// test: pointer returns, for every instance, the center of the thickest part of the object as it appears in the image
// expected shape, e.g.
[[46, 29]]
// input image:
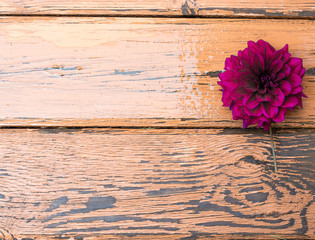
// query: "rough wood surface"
[[132, 68], [158, 237], [151, 182], [160, 123], [266, 8]]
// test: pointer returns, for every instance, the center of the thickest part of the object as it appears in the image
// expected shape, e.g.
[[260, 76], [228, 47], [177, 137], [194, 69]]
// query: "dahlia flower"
[[260, 84]]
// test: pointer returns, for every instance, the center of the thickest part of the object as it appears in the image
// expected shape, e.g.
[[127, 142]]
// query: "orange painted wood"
[[265, 8], [134, 71], [178, 183], [159, 237], [160, 123]]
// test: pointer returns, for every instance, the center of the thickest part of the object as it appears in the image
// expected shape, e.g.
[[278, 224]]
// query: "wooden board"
[[230, 8], [132, 71], [156, 237], [165, 183]]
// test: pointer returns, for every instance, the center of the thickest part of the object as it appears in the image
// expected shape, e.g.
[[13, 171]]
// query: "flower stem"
[[273, 150]]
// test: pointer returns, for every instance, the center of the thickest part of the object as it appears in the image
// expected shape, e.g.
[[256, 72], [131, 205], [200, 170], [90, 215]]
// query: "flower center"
[[266, 81]]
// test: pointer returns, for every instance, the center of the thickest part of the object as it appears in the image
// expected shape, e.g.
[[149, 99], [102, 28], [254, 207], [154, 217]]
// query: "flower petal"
[[267, 97], [296, 65], [299, 96], [295, 80], [286, 57], [266, 126], [286, 70], [226, 99], [259, 63], [268, 110], [228, 79], [246, 75], [246, 97], [252, 103], [303, 95], [290, 101], [297, 90], [226, 75], [255, 112], [249, 121], [276, 56], [280, 116], [245, 123], [280, 76], [278, 98], [266, 50], [252, 121], [285, 87], [245, 58], [301, 74], [263, 44], [294, 62], [252, 46], [299, 100], [276, 66], [239, 91], [262, 90], [232, 62], [250, 86], [238, 112], [263, 120], [285, 49]]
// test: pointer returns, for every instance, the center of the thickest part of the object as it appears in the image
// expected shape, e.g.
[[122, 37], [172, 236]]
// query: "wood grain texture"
[[131, 68], [136, 123], [266, 8], [159, 237], [137, 183]]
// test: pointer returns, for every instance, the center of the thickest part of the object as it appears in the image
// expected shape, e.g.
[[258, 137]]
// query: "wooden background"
[[111, 124]]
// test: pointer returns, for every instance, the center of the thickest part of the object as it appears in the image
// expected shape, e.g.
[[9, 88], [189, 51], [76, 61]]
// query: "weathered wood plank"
[[131, 68], [160, 237], [156, 182], [278, 8], [160, 123]]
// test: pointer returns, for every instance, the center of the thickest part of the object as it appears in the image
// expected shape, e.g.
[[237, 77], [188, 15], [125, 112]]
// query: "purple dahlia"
[[260, 84]]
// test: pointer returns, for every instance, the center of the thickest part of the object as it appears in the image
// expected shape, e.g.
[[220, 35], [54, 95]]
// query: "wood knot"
[[251, 160]]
